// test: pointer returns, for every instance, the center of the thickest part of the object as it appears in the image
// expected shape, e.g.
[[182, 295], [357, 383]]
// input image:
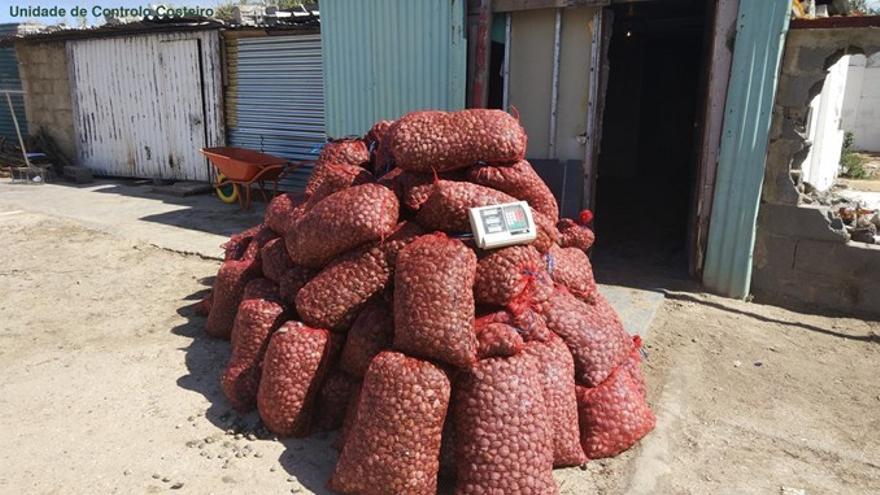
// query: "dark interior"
[[647, 159]]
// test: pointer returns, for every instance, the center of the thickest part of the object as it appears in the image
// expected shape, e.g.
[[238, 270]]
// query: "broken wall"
[[45, 80], [801, 252]]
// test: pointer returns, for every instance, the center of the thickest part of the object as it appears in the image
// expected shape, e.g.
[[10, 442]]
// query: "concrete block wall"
[[44, 77], [801, 253]]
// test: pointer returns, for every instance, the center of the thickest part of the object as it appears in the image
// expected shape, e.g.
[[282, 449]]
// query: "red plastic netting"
[[557, 377], [254, 324], [229, 286], [438, 141], [520, 181], [334, 296], [593, 333], [504, 441], [293, 370], [342, 221], [393, 445], [434, 302], [371, 333], [613, 416], [571, 268]]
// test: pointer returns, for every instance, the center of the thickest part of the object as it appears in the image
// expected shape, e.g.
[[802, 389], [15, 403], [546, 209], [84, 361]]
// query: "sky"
[[7, 9]]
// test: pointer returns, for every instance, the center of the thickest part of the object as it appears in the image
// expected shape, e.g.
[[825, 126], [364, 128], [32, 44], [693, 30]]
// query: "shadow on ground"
[[203, 212], [311, 460]]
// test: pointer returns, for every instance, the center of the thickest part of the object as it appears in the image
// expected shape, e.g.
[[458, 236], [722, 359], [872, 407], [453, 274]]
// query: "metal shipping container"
[[144, 104], [275, 98]]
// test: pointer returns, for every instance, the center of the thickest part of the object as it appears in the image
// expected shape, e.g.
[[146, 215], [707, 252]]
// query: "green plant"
[[852, 165]]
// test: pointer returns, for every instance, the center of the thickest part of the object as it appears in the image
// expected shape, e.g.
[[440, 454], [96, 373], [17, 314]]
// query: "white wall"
[[861, 114], [825, 128]]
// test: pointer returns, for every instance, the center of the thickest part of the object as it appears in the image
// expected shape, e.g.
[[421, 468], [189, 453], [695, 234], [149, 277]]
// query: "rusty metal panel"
[[145, 104]]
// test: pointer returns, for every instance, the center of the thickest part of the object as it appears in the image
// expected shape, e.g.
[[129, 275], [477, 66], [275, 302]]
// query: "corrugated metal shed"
[[275, 97], [145, 103], [760, 34], [387, 57], [9, 79]]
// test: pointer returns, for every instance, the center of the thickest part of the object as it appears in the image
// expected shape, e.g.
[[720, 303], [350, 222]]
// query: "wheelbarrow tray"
[[241, 164]]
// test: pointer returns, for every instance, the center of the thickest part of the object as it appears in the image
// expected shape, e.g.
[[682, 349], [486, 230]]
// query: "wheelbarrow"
[[239, 168]]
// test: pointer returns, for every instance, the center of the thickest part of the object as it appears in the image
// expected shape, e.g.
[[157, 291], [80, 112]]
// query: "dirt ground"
[[109, 386]]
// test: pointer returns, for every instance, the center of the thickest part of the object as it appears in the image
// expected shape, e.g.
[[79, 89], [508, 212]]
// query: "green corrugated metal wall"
[[760, 35], [9, 79], [384, 58]]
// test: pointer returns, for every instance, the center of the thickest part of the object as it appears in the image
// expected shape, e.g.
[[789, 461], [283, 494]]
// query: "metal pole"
[[17, 130], [554, 94], [505, 104]]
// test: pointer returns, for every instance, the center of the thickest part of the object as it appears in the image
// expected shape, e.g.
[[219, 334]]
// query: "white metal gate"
[[145, 104]]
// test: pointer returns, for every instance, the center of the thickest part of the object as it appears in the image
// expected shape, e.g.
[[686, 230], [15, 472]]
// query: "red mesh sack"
[[498, 340], [557, 376], [634, 368], [350, 416], [229, 286], [261, 288], [254, 324], [336, 177], [520, 181], [293, 370], [340, 152], [503, 273], [528, 323], [438, 141], [547, 234], [447, 207], [335, 394], [613, 416], [593, 333], [394, 444], [503, 439], [281, 213], [575, 235], [274, 259], [261, 238], [371, 333], [447, 447], [571, 268], [377, 142], [234, 248], [292, 281], [203, 307], [434, 300], [348, 151], [342, 221], [333, 298]]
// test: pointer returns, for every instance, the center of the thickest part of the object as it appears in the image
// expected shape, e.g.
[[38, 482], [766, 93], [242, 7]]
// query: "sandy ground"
[[110, 387]]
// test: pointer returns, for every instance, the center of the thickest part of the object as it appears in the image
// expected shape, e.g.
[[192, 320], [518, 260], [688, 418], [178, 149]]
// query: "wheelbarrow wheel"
[[228, 193]]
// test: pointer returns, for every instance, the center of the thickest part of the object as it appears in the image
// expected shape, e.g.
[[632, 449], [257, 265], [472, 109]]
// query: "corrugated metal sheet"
[[9, 79], [387, 57], [145, 104], [760, 34], [275, 98]]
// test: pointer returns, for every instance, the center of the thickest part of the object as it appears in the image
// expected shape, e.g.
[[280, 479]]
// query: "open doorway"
[[648, 157]]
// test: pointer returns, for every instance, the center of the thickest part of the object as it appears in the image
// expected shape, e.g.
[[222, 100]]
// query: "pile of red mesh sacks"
[[366, 307]]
